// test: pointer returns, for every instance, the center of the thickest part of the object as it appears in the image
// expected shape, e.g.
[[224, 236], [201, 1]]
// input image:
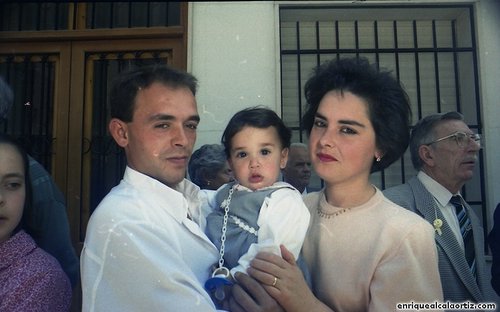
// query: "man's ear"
[[118, 130], [426, 153]]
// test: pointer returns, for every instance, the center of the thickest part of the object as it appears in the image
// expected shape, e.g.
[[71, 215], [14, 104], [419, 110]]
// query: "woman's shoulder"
[[401, 219], [313, 198]]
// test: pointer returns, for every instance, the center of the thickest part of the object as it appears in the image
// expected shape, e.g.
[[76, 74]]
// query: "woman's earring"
[[379, 158], [208, 182]]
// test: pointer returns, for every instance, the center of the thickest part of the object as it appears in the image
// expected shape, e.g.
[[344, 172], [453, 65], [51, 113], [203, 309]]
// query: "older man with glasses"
[[444, 152]]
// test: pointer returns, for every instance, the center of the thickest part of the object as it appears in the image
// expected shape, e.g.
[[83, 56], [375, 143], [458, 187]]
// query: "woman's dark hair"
[[27, 219], [387, 102], [257, 117], [126, 85], [205, 163]]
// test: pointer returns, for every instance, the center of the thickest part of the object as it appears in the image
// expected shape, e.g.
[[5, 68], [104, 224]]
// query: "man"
[[444, 152], [298, 168], [145, 249], [49, 206]]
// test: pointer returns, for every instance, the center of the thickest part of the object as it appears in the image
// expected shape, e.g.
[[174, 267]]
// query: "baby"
[[256, 212]]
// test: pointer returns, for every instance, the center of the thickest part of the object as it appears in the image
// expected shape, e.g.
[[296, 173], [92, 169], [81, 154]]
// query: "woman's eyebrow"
[[343, 121], [351, 122]]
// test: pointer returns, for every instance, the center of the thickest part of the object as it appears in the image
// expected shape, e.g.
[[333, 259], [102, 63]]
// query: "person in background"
[[364, 252], [494, 243], [49, 206], [145, 248], [30, 278], [444, 152], [208, 167], [297, 171]]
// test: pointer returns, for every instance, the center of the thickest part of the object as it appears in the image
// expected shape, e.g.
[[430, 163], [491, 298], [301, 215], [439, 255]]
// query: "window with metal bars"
[[430, 48], [132, 14], [26, 16], [58, 15], [30, 120]]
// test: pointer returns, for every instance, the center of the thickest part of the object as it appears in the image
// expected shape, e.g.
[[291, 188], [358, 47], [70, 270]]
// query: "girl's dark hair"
[[257, 117], [27, 220], [387, 102]]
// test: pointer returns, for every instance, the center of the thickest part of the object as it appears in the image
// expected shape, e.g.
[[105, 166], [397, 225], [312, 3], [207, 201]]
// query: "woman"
[[208, 167], [364, 252]]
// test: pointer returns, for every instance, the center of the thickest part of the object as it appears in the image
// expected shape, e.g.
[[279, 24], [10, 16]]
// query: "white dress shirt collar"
[[184, 197], [440, 193]]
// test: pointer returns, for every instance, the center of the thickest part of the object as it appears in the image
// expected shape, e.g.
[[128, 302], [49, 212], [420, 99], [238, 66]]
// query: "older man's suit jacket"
[[456, 278]]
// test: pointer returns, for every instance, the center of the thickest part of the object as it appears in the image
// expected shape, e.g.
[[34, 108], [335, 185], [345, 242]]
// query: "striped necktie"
[[466, 231]]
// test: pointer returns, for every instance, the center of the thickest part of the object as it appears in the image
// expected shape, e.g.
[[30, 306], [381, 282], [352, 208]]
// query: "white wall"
[[233, 51]]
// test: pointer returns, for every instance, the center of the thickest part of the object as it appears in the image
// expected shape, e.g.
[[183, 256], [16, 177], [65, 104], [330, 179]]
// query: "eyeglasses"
[[462, 139]]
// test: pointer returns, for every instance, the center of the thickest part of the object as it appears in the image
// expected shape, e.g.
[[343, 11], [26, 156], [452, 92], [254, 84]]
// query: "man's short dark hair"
[[127, 84]]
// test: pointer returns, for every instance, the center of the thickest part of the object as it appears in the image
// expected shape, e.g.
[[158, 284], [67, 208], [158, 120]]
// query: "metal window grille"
[[30, 120], [59, 15], [25, 16], [132, 14]]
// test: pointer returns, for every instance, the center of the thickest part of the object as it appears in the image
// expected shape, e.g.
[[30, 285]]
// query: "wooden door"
[[61, 78]]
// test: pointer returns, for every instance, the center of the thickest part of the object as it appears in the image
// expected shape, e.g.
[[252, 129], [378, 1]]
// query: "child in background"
[[30, 279], [256, 212]]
